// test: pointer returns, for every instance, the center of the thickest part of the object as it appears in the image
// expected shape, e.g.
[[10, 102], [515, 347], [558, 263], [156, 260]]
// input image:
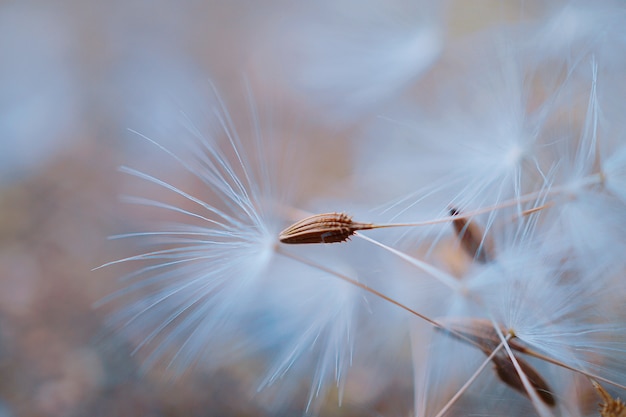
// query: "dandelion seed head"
[[214, 250]]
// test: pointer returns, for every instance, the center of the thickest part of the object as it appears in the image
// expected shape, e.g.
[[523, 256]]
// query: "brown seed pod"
[[323, 228], [508, 374], [481, 334], [473, 239], [610, 407]]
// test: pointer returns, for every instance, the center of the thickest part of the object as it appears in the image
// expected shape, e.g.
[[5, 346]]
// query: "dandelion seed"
[[481, 334], [323, 228], [553, 311], [508, 374], [217, 288]]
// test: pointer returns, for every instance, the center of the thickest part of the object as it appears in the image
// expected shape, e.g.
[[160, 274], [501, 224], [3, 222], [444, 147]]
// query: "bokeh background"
[[75, 76]]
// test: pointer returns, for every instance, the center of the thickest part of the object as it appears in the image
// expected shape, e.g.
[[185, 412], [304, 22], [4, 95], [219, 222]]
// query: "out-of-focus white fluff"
[[346, 59]]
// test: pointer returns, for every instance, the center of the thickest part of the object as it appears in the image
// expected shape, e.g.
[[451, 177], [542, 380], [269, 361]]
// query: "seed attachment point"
[[481, 334], [323, 228]]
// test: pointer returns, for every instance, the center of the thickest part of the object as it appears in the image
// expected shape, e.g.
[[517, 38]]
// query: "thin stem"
[[371, 290], [465, 386], [592, 179], [536, 209], [357, 284], [597, 178], [548, 359], [444, 278]]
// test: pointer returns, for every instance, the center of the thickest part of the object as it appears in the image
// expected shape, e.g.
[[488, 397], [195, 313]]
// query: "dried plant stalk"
[[610, 407], [323, 228], [537, 209], [473, 239], [481, 334]]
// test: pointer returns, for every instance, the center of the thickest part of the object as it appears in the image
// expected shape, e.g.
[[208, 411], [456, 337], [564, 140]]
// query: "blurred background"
[[75, 76]]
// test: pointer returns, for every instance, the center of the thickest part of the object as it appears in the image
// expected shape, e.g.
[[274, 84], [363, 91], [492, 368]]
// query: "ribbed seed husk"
[[322, 228]]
